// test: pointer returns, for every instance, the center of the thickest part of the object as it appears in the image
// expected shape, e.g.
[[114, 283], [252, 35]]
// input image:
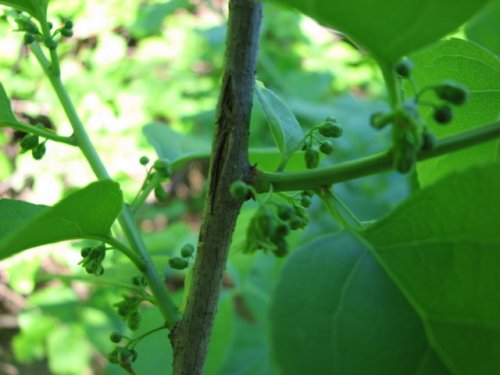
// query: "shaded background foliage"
[[132, 64]]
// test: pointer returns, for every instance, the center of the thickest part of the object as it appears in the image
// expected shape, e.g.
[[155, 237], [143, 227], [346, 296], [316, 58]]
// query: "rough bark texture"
[[229, 162]]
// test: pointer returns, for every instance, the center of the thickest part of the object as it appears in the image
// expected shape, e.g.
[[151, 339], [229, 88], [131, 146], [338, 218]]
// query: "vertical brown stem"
[[229, 162]]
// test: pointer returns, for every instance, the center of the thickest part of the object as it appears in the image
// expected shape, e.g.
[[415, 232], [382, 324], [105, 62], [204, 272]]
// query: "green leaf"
[[390, 29], [335, 311], [442, 249], [6, 113], [150, 17], [285, 128], [87, 213], [479, 70], [68, 351], [172, 145], [36, 8], [483, 29]]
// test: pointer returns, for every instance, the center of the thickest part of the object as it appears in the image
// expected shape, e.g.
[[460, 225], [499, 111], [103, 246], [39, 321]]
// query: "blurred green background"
[[132, 63]]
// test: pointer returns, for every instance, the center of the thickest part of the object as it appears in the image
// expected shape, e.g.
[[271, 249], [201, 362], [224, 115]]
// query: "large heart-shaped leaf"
[[390, 29], [442, 248], [87, 213], [335, 311], [479, 70], [429, 303], [284, 127]]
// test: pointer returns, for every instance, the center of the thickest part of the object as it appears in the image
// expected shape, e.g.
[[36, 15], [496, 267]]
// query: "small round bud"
[[281, 248], [29, 142], [29, 38], [67, 33], [309, 193], [305, 201], [452, 92], [311, 157], [239, 190], [68, 24], [326, 147], [187, 251], [162, 166], [178, 263], [116, 337], [50, 43], [285, 212], [139, 281], [160, 194], [144, 160], [85, 252], [50, 25], [330, 129], [134, 320], [403, 68], [281, 230], [295, 223], [39, 151], [443, 115]]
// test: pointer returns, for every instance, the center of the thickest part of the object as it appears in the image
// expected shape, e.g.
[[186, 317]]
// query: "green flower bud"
[[134, 320], [187, 251], [296, 223], [113, 356], [160, 194], [85, 252], [68, 24], [144, 160], [115, 337], [162, 166], [39, 151], [285, 212], [452, 92], [311, 157], [67, 33], [281, 231], [281, 248], [127, 356], [178, 263], [330, 129], [239, 190], [404, 67], [443, 115], [50, 43], [29, 38], [326, 147], [305, 201], [29, 142], [405, 157], [309, 193], [139, 281]]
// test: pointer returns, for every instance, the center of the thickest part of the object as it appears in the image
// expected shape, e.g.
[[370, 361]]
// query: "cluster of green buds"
[[122, 355], [314, 145], [33, 34], [157, 173], [31, 142], [92, 258], [128, 309], [273, 221], [411, 133], [182, 262]]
